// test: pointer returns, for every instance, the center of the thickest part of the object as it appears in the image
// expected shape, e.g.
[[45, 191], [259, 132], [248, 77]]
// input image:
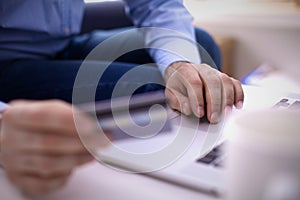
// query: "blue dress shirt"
[[38, 29]]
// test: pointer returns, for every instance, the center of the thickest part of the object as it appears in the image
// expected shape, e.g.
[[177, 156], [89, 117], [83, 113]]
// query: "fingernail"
[[227, 109], [214, 118], [239, 104], [200, 111]]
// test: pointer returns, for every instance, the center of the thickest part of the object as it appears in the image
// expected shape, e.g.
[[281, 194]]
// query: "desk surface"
[[95, 181]]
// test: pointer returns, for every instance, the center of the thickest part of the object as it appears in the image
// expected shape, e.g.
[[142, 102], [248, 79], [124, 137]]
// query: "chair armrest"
[[104, 15]]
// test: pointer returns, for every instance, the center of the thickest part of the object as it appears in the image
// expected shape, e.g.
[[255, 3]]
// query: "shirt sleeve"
[[167, 28]]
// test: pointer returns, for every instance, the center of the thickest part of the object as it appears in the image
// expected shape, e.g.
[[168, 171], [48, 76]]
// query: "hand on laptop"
[[192, 88], [40, 146]]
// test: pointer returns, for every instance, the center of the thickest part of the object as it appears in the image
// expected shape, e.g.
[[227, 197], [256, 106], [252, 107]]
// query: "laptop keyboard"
[[215, 157]]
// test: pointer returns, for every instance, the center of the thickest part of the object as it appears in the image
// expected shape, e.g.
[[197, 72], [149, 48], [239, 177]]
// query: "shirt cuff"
[[167, 52]]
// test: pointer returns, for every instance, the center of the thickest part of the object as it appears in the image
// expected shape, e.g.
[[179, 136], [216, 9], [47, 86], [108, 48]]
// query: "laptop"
[[186, 151]]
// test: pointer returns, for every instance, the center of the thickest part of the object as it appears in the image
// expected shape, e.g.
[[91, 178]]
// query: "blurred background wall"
[[255, 32]]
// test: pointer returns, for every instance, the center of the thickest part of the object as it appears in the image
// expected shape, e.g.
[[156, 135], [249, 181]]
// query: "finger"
[[189, 77], [34, 115], [47, 143], [213, 92], [27, 140], [35, 186], [178, 101], [194, 89], [228, 92], [55, 117], [238, 93]]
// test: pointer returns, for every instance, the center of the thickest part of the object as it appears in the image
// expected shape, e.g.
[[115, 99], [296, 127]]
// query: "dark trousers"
[[54, 78]]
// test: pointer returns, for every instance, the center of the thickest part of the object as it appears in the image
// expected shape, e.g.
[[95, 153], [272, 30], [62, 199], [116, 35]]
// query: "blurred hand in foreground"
[[40, 146]]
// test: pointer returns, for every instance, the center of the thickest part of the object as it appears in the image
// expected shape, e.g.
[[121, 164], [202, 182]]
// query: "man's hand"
[[40, 146], [201, 89]]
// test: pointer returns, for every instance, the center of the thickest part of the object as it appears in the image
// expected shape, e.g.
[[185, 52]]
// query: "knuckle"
[[33, 114], [236, 81], [8, 117], [225, 78], [51, 104], [237, 84], [56, 110], [11, 114], [65, 118], [206, 69], [204, 65], [14, 103]]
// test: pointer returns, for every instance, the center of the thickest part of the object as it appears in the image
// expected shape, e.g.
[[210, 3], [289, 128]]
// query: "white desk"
[[95, 181]]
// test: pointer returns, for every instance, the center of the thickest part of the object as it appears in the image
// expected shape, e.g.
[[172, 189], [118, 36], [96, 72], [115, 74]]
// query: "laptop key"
[[282, 103], [207, 159], [212, 156]]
